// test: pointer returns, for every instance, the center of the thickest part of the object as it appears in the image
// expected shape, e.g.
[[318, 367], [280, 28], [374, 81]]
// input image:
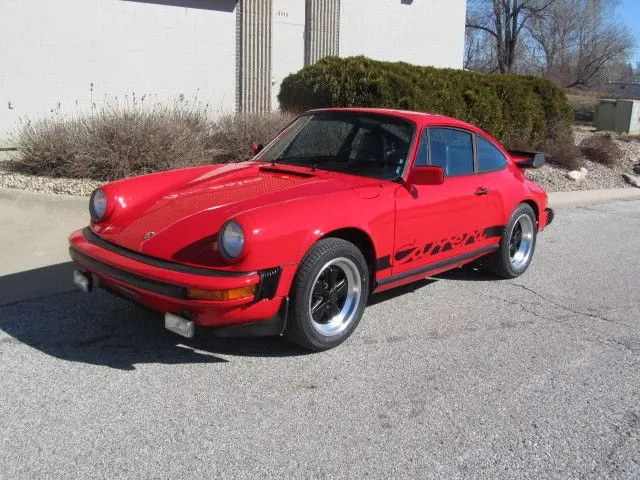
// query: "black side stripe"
[[410, 254], [435, 266]]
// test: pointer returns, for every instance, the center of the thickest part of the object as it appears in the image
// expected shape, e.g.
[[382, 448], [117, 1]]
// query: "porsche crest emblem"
[[148, 235]]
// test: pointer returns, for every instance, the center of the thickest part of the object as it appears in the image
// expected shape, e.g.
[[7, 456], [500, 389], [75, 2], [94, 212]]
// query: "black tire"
[[503, 262], [330, 260]]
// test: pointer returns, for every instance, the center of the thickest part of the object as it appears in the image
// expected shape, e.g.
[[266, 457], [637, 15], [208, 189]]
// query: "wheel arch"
[[362, 240], [534, 205]]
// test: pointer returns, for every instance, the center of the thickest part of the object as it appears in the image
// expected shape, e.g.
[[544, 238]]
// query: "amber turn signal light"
[[220, 295]]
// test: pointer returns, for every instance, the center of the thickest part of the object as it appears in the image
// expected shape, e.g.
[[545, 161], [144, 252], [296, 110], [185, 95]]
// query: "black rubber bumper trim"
[[550, 215], [437, 265], [156, 262], [162, 288]]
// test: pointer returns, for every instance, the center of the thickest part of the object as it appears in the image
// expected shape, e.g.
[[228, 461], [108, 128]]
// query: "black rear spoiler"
[[527, 159]]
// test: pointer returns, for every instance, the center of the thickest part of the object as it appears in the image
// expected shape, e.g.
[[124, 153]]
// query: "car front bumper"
[[164, 285]]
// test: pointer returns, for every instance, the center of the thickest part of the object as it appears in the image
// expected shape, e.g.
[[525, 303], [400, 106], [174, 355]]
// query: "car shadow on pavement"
[[470, 273], [399, 291], [101, 329], [36, 283]]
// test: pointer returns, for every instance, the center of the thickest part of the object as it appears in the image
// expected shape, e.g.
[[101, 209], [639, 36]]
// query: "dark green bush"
[[506, 106]]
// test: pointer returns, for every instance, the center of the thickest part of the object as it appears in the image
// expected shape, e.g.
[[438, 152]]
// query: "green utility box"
[[622, 116]]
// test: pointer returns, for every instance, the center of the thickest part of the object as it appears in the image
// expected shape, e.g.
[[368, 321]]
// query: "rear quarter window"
[[490, 158]]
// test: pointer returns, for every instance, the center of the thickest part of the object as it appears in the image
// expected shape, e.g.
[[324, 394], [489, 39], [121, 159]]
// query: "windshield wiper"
[[311, 161]]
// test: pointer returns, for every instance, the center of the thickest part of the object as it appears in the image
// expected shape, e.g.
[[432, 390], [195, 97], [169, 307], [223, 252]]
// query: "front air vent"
[[268, 283]]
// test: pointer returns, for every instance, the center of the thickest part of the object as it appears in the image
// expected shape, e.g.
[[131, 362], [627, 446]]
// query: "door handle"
[[481, 191]]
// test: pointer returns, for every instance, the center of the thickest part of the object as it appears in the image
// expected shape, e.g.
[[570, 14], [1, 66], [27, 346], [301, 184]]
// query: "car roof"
[[421, 118]]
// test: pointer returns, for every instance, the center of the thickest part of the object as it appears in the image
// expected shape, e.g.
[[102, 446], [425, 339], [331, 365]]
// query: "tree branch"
[[481, 27]]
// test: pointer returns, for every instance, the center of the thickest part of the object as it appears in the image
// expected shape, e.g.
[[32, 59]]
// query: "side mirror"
[[426, 176], [257, 148]]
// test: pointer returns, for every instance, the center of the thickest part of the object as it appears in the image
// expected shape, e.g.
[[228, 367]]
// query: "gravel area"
[[64, 186], [552, 178]]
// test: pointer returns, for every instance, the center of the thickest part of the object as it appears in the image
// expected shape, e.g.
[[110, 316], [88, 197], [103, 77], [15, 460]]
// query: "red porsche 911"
[[343, 203]]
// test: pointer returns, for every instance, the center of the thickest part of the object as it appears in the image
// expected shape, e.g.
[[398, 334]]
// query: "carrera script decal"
[[410, 254]]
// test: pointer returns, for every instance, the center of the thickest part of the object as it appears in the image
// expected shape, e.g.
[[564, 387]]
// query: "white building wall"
[[287, 49], [422, 32], [52, 51]]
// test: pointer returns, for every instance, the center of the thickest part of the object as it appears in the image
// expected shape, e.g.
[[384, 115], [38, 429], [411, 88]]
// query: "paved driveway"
[[462, 377]]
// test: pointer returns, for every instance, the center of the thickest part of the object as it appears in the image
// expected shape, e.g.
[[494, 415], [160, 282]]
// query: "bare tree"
[[579, 40], [601, 39], [504, 21], [553, 37], [479, 52]]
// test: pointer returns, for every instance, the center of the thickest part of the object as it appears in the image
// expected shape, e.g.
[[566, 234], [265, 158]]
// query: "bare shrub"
[[560, 148], [48, 147], [118, 141], [125, 142], [563, 152], [232, 135], [602, 149]]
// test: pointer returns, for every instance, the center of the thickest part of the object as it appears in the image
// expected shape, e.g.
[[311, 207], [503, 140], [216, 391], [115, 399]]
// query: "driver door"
[[437, 225]]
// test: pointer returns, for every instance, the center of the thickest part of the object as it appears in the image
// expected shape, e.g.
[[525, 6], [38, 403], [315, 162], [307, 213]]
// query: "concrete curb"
[[592, 197], [28, 198]]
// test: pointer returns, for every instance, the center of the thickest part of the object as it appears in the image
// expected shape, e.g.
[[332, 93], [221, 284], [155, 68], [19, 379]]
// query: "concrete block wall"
[[51, 51]]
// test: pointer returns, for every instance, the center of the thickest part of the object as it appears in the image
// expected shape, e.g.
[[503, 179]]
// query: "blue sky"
[[630, 12]]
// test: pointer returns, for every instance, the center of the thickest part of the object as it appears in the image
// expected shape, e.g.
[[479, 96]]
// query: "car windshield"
[[366, 144]]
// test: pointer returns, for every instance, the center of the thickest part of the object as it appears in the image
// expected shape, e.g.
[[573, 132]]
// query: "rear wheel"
[[518, 243], [329, 295]]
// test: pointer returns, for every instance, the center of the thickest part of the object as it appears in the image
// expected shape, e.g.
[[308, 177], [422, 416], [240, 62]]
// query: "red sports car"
[[343, 203]]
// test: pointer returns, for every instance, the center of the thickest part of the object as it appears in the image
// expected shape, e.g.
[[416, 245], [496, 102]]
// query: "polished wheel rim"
[[335, 296], [521, 241]]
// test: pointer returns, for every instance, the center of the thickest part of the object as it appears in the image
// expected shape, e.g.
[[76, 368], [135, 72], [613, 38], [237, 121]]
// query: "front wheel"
[[518, 243], [329, 295]]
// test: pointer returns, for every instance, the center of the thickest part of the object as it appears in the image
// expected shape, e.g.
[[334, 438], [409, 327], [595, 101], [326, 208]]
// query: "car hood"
[[174, 217]]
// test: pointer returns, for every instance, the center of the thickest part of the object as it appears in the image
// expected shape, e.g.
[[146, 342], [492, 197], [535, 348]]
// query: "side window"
[[489, 157], [452, 150], [422, 155]]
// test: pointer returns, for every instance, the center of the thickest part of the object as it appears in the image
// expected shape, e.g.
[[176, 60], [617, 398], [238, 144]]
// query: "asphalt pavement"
[[461, 376]]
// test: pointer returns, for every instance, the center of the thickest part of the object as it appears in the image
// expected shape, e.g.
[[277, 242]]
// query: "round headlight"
[[231, 239], [98, 204]]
